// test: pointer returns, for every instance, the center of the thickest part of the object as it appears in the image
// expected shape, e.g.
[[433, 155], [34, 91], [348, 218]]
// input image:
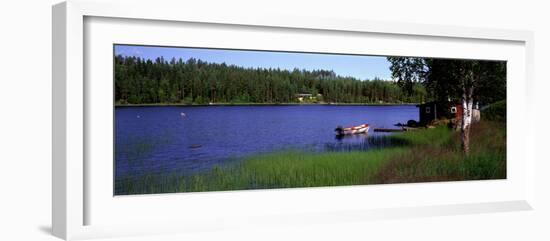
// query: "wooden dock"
[[387, 130], [395, 129]]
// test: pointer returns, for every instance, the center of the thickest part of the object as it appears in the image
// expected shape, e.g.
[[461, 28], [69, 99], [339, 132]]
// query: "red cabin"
[[431, 111]]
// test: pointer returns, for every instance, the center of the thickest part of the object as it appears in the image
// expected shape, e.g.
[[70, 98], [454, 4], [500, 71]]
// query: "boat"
[[341, 131]]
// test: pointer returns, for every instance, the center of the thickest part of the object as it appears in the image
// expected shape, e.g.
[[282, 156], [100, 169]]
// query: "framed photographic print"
[[179, 121]]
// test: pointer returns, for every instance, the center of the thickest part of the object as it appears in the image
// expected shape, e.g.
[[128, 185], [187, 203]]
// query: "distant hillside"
[[140, 81]]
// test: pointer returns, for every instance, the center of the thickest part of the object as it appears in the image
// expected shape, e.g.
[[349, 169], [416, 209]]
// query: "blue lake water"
[[153, 140]]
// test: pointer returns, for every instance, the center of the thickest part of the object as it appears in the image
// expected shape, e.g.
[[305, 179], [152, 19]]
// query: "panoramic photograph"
[[203, 119]]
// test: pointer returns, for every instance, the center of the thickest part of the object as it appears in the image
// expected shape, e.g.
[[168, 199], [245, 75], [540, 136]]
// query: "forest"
[[144, 81]]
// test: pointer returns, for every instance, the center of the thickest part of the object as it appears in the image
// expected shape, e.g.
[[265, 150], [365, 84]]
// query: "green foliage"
[[449, 78], [436, 137], [443, 159], [142, 81], [495, 112], [408, 70], [470, 81]]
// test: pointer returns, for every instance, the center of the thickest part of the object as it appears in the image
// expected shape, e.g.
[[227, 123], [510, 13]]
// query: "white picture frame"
[[73, 188]]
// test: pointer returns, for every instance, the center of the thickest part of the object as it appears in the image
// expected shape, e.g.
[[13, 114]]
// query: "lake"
[[190, 139]]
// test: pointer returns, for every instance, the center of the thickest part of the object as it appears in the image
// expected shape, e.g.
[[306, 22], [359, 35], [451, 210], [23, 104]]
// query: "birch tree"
[[454, 79], [469, 78]]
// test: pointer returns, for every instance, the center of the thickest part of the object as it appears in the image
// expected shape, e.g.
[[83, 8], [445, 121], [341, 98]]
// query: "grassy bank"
[[425, 155], [443, 160]]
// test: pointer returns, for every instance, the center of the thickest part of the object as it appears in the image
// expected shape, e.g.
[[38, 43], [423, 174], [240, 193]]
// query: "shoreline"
[[262, 104], [413, 162]]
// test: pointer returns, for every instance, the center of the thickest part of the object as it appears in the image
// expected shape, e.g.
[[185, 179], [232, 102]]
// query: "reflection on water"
[[363, 142], [360, 137]]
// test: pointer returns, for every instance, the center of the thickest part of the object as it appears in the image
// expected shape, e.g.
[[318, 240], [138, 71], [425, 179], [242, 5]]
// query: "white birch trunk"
[[467, 109]]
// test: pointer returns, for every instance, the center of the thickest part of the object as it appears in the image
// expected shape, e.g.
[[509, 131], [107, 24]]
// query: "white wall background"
[[25, 119]]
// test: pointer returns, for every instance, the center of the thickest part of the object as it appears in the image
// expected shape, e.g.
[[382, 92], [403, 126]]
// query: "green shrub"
[[495, 112]]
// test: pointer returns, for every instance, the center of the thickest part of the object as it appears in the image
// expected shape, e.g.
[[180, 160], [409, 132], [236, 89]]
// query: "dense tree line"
[[143, 81], [446, 79]]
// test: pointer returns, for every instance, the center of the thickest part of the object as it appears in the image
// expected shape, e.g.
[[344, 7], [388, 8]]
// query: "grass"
[[276, 170], [443, 160], [422, 156]]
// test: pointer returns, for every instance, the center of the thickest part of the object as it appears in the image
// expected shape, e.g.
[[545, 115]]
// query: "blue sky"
[[361, 67]]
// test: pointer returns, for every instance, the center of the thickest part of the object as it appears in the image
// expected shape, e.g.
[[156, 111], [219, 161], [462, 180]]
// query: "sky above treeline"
[[361, 67]]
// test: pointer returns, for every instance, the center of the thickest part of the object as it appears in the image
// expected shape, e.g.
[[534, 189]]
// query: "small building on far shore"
[[306, 97], [303, 96]]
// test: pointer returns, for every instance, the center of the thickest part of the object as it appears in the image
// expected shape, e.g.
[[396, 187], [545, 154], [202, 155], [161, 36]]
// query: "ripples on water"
[[156, 140], [365, 143]]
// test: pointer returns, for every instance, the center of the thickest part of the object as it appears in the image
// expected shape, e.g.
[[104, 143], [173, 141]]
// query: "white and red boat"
[[340, 131]]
